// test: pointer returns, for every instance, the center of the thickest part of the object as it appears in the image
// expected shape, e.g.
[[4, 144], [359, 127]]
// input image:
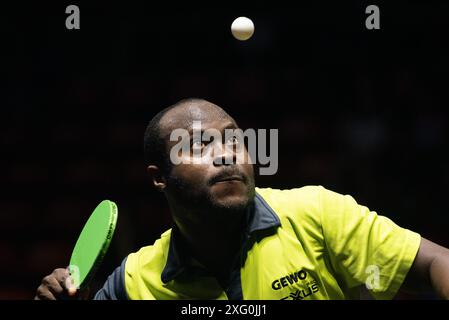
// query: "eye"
[[197, 144], [232, 140]]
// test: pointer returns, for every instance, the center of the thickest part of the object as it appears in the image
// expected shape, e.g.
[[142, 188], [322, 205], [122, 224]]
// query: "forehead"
[[182, 117]]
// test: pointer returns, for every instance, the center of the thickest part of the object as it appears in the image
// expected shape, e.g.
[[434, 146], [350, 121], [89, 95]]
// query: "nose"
[[224, 155]]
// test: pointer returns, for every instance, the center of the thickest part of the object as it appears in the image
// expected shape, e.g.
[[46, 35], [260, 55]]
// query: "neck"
[[213, 242]]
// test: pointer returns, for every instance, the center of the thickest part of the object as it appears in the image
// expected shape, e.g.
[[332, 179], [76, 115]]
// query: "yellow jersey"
[[299, 244]]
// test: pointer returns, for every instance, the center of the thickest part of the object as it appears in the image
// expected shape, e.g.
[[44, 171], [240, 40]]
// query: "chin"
[[231, 196], [233, 201]]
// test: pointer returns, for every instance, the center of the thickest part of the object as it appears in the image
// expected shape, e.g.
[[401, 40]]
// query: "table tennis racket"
[[92, 244]]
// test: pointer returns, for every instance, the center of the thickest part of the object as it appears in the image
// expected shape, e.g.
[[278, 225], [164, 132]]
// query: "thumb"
[[69, 284]]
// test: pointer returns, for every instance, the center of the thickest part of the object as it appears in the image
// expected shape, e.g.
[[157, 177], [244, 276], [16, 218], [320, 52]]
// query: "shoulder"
[[295, 200], [121, 284], [144, 268], [305, 199], [114, 287], [149, 256], [299, 209]]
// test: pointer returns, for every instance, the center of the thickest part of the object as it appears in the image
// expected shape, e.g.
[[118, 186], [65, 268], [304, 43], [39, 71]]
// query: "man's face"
[[219, 180]]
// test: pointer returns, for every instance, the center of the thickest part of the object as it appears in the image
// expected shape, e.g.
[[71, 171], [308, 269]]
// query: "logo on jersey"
[[308, 285], [289, 280]]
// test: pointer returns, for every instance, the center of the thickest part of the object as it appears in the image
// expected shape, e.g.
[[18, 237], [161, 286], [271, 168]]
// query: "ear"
[[156, 177]]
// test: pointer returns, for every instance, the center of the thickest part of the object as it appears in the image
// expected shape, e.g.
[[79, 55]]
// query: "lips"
[[227, 178], [231, 178]]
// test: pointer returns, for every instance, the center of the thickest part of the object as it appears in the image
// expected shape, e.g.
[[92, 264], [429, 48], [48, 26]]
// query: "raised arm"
[[430, 270]]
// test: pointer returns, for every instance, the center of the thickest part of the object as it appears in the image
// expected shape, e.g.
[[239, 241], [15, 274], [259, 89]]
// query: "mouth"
[[233, 178]]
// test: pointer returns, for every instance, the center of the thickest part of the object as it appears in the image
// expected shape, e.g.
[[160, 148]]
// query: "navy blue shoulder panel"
[[114, 287]]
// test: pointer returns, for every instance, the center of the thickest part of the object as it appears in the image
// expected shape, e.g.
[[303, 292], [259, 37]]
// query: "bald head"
[[183, 113], [179, 115]]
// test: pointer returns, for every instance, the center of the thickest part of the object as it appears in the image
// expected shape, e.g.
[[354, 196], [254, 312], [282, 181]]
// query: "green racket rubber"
[[93, 243]]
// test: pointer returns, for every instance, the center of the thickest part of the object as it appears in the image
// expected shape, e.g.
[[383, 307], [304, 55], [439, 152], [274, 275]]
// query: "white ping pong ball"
[[242, 28]]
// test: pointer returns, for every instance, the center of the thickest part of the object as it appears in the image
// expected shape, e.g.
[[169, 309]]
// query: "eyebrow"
[[229, 125]]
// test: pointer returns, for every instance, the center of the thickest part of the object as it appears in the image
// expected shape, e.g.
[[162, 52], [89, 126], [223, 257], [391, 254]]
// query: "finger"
[[61, 275], [44, 294], [69, 284], [65, 281], [53, 285]]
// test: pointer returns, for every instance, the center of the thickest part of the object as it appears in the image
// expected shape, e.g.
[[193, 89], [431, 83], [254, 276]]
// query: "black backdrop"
[[359, 111]]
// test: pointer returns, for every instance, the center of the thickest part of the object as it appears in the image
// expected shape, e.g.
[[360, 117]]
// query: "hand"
[[59, 286]]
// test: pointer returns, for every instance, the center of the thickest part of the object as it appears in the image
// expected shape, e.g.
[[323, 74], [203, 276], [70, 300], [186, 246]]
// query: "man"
[[231, 240]]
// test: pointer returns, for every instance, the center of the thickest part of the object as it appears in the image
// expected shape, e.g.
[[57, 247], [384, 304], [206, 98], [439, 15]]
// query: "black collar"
[[260, 217]]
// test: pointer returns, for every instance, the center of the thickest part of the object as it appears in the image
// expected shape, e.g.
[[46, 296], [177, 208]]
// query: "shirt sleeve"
[[114, 287], [366, 248]]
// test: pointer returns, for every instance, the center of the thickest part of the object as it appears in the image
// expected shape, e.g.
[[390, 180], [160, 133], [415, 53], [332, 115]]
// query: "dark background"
[[361, 112]]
